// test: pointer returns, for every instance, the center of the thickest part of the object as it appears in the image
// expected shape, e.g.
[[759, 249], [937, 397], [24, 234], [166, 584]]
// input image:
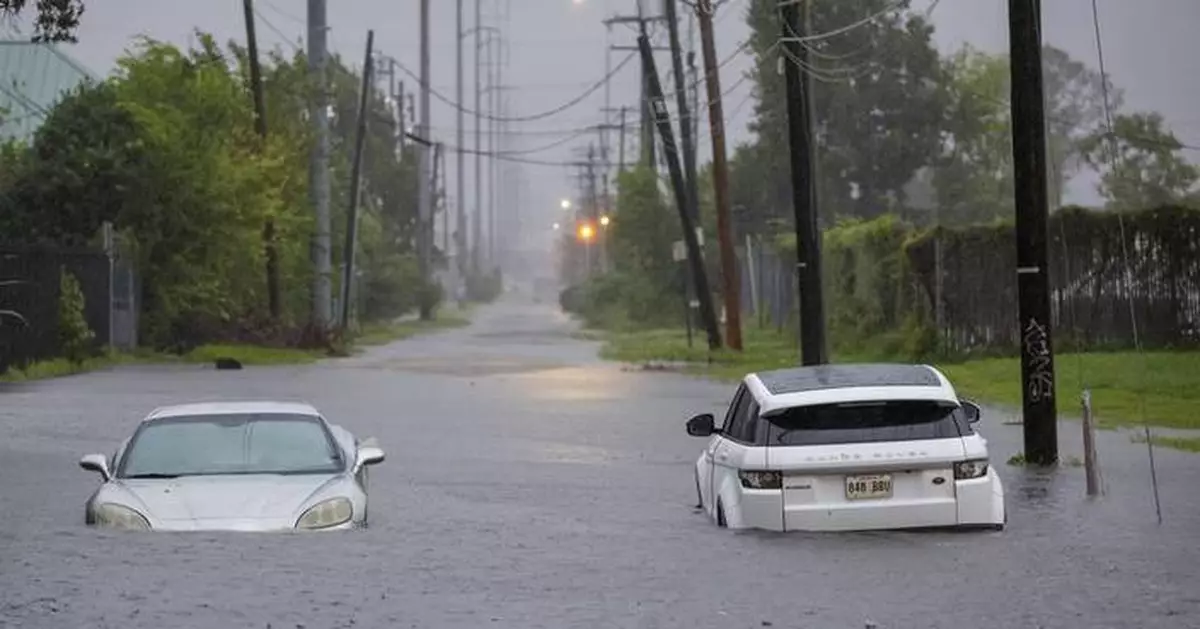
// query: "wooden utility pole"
[[260, 126], [731, 280], [622, 128], [813, 350], [662, 118], [1030, 181], [426, 183], [360, 136]]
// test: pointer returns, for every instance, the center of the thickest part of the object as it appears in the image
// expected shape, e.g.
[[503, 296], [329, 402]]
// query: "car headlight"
[[325, 514], [114, 516], [970, 469]]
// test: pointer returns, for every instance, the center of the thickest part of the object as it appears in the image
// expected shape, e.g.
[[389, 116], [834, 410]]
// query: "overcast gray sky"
[[558, 48]]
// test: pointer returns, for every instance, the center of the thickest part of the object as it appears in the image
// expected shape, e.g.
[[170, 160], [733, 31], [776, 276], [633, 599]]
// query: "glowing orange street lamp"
[[604, 221], [586, 232]]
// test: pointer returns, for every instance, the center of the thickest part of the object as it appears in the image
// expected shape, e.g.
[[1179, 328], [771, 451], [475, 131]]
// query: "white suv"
[[847, 447]]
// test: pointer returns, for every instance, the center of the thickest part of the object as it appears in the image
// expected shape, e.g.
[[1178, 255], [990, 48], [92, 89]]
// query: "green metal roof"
[[32, 79]]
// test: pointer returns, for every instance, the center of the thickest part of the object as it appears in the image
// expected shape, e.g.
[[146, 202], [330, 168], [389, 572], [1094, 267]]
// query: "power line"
[[546, 114]]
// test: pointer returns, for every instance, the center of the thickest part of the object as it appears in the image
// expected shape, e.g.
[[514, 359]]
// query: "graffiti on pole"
[[1037, 355]]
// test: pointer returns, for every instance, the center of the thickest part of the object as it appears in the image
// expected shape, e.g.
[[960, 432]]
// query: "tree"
[[1140, 164], [878, 107], [82, 159], [973, 177], [56, 20], [1075, 97]]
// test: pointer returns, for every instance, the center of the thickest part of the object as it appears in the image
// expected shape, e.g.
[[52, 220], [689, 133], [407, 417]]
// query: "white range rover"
[[847, 447]]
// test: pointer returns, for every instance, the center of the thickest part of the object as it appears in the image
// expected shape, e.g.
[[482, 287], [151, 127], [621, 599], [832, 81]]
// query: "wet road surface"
[[528, 484]]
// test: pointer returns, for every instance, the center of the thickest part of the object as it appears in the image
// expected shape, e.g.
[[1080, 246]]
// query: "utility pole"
[[1033, 283], [685, 115], [731, 284], [440, 196], [478, 224], [804, 189], [460, 198], [318, 170], [360, 136], [658, 105], [621, 127], [426, 183], [260, 126], [647, 127], [493, 66]]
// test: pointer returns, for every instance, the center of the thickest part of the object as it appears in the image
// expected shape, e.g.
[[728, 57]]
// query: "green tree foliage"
[[1140, 164], [166, 149], [82, 161], [1074, 109], [643, 287], [878, 108], [56, 20], [74, 336], [974, 178]]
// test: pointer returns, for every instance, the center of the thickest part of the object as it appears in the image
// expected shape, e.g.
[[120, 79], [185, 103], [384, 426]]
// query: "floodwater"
[[528, 484]]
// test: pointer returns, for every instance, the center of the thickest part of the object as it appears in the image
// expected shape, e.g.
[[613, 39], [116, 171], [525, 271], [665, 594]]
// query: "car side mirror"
[[369, 453], [97, 463], [701, 425], [971, 411]]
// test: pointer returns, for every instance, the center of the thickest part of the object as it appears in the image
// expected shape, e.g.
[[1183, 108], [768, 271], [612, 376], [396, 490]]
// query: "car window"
[[744, 415], [733, 406], [231, 444], [865, 423]]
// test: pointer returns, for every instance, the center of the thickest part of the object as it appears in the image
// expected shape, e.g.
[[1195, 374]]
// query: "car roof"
[[234, 408], [861, 382]]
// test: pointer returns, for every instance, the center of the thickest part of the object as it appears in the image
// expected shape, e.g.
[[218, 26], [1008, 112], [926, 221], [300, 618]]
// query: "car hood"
[[223, 498]]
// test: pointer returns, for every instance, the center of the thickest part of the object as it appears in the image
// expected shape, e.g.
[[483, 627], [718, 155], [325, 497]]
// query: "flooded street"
[[529, 484]]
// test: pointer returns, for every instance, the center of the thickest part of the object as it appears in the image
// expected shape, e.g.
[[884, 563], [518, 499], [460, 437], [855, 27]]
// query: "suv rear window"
[[865, 422]]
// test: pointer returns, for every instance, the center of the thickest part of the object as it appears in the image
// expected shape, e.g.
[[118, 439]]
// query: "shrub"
[[74, 336]]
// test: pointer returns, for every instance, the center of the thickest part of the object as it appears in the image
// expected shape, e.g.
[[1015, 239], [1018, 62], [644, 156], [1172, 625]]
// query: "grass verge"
[[247, 355], [60, 367], [1187, 444], [383, 333], [1162, 387]]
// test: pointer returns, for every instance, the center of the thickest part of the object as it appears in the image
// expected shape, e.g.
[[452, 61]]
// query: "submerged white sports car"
[[233, 466], [847, 447]]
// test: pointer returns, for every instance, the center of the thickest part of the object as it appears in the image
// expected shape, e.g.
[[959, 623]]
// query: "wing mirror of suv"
[[971, 411], [701, 425]]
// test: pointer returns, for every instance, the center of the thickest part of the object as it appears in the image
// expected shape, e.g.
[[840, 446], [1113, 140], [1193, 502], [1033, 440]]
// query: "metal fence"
[[1099, 284], [108, 289]]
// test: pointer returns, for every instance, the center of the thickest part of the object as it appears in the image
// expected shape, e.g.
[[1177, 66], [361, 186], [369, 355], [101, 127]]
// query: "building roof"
[[33, 77]]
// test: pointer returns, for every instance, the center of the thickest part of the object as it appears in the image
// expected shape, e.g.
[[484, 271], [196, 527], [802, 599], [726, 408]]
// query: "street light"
[[604, 221], [557, 227], [566, 204], [587, 233]]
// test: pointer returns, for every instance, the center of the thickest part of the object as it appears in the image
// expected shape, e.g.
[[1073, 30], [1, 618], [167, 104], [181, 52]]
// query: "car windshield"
[[865, 422], [231, 444]]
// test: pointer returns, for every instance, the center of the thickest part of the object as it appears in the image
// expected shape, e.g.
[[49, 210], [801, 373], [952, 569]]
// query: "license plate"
[[869, 487]]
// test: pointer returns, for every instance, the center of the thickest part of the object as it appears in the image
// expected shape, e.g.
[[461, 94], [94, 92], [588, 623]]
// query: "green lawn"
[[1161, 387]]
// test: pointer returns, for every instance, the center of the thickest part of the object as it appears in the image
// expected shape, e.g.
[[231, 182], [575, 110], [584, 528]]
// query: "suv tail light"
[[964, 470], [761, 479]]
